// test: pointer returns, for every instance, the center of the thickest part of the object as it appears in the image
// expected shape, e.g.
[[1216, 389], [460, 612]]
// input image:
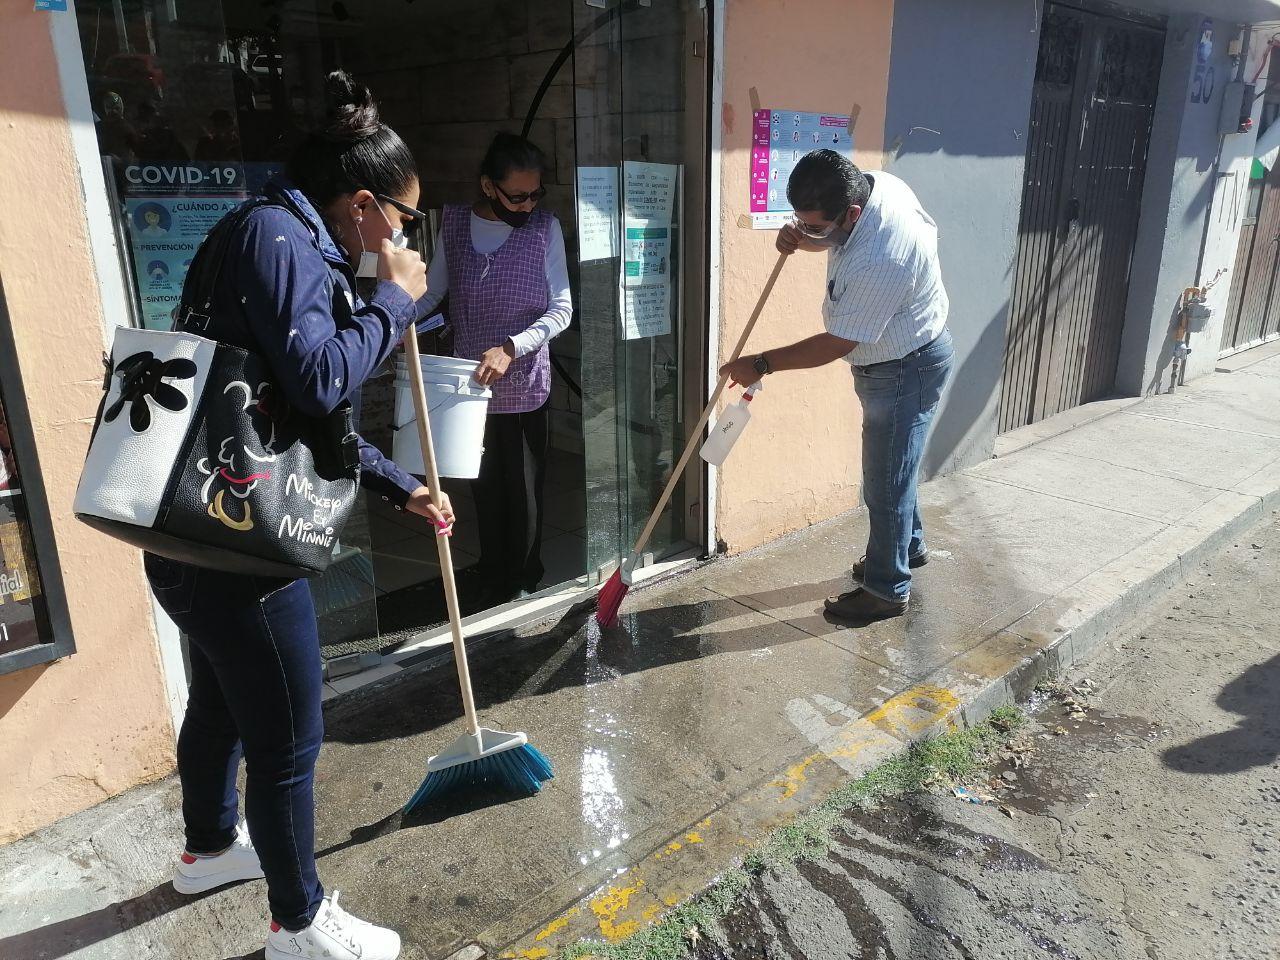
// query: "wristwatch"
[[762, 365]]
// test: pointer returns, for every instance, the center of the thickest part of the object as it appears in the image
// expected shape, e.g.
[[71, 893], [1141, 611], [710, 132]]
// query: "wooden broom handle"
[[419, 390], [696, 433]]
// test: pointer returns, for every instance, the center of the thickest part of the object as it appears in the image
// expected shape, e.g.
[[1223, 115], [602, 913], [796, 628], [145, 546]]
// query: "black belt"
[[906, 356]]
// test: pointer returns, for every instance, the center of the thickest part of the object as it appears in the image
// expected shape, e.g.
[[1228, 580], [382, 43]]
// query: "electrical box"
[[1237, 108]]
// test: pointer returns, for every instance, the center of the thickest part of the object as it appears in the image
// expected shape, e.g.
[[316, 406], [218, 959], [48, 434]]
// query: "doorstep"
[[430, 648]]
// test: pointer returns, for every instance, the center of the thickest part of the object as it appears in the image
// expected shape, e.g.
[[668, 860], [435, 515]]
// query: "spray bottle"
[[729, 428]]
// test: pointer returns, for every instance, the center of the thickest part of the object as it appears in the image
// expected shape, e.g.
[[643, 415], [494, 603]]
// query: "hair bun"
[[351, 113]]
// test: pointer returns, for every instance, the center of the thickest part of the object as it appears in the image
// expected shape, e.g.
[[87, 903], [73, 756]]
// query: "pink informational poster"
[[779, 138]]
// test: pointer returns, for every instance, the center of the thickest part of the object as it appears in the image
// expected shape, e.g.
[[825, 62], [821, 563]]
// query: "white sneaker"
[[333, 934], [200, 874]]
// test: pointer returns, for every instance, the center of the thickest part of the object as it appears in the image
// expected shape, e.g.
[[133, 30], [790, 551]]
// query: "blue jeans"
[[899, 400], [256, 686]]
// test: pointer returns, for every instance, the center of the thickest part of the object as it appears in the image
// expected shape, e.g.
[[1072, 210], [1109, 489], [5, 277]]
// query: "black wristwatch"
[[762, 365]]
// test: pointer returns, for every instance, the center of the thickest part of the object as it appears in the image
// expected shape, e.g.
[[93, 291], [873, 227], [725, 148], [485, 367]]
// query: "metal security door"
[[1092, 106], [1253, 310]]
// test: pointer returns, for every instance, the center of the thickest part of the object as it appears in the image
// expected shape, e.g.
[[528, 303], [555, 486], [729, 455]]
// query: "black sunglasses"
[[519, 198], [418, 217]]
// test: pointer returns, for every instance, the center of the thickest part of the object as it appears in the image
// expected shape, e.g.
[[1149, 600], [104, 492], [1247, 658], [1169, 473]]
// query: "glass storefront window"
[[27, 631], [196, 104], [24, 616]]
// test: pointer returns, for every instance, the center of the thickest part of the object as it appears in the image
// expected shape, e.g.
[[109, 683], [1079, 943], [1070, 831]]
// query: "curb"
[[1060, 632]]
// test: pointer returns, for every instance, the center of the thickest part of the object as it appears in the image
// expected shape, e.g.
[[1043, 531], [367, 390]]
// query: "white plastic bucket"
[[458, 407]]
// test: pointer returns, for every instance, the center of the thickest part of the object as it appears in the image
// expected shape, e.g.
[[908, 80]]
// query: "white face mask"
[[833, 236], [368, 267]]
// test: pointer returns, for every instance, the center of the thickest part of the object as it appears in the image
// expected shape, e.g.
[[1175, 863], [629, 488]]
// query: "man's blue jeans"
[[899, 400]]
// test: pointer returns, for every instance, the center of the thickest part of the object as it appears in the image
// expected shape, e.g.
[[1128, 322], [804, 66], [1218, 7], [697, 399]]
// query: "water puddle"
[[1071, 730], [603, 807]]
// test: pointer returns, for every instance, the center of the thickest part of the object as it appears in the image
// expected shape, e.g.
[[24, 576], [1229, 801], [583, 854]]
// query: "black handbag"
[[196, 455]]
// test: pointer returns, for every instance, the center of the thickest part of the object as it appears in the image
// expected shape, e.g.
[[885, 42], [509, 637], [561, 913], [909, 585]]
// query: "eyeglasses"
[[519, 198], [418, 218], [815, 233]]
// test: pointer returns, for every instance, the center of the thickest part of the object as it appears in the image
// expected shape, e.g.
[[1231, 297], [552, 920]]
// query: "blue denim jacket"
[[288, 294]]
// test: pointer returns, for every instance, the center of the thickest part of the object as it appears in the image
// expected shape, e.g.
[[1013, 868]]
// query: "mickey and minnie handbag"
[[196, 455]]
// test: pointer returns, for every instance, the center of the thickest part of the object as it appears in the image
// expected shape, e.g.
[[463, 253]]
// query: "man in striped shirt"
[[885, 311]]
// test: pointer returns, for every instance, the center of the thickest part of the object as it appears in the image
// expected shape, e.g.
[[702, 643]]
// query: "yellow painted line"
[[794, 776], [933, 702], [556, 925], [550, 930], [608, 905], [904, 715], [693, 836], [908, 713]]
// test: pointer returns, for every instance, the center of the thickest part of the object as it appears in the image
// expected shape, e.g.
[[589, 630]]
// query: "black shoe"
[[859, 607], [919, 560]]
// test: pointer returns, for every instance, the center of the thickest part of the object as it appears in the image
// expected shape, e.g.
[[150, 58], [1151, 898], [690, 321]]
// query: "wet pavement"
[[1151, 835], [725, 704]]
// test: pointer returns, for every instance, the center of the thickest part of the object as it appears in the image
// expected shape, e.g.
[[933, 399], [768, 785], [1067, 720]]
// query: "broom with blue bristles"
[[480, 755]]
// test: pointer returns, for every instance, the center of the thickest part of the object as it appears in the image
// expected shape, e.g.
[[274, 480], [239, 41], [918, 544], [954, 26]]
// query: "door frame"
[[696, 355], [113, 296], [1116, 11], [715, 232]]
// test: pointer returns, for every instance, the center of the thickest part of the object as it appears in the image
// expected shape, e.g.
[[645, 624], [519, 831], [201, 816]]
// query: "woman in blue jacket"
[[319, 283]]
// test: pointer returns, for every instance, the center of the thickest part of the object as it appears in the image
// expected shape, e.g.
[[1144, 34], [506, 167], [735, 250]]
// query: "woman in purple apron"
[[502, 262]]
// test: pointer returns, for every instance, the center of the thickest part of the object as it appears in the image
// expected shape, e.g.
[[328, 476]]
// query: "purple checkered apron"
[[498, 296]]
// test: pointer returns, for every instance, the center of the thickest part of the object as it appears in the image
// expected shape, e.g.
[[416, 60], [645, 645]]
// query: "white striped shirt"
[[884, 285]]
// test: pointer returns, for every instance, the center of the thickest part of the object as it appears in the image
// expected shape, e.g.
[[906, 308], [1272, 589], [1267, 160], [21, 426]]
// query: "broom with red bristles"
[[609, 602]]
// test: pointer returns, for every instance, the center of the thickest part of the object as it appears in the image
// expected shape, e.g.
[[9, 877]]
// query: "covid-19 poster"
[[779, 139], [170, 208]]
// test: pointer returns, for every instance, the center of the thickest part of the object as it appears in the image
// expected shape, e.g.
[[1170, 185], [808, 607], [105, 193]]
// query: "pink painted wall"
[[92, 725], [799, 462]]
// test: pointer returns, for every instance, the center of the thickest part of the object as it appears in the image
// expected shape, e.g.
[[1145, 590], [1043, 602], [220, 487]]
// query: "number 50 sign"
[[1202, 81]]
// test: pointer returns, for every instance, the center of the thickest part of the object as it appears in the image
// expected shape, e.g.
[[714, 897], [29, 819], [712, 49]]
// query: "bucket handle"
[[434, 400], [458, 383]]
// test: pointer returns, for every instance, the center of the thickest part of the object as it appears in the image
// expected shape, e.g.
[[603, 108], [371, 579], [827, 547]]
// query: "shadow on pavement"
[[559, 658], [1253, 742], [443, 808], [67, 936]]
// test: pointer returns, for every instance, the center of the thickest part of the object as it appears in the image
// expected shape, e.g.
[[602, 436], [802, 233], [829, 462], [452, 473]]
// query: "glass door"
[[194, 107], [639, 86]]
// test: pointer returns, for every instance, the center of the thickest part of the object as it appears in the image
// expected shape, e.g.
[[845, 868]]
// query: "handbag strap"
[[206, 266], [197, 303]]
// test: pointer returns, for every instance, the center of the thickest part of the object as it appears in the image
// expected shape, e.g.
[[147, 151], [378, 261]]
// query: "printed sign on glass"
[[597, 213], [645, 284], [170, 208]]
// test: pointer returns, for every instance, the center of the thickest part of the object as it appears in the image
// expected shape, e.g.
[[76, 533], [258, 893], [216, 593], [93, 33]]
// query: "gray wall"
[[977, 95], [1176, 194], [976, 92]]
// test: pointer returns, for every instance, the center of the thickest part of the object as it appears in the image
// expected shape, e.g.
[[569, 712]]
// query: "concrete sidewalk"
[[725, 704]]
